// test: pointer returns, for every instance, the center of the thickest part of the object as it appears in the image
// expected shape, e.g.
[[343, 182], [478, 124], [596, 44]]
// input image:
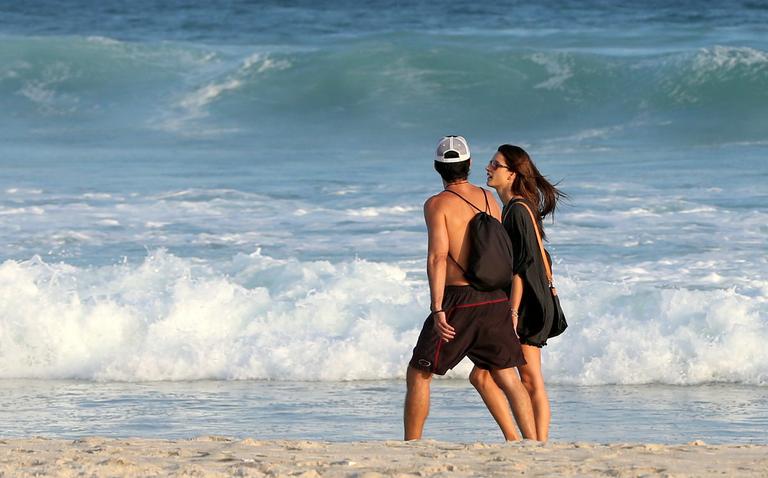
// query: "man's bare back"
[[452, 237]]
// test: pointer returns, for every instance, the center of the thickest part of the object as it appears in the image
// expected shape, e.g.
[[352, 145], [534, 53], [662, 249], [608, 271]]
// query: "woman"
[[516, 180]]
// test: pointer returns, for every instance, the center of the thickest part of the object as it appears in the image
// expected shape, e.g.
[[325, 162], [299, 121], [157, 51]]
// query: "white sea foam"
[[101, 40], [169, 319], [264, 63], [44, 93], [73, 236], [377, 211], [155, 224], [556, 65], [201, 97], [342, 191], [185, 218], [727, 58], [23, 191], [22, 211], [97, 196], [720, 65], [256, 317], [667, 335]]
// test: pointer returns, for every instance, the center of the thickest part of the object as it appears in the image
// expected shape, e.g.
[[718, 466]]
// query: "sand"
[[221, 456]]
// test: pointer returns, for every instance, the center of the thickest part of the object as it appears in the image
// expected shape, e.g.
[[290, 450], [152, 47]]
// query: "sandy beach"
[[222, 456]]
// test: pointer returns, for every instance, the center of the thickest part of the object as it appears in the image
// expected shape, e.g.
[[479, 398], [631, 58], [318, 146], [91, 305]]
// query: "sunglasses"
[[496, 165]]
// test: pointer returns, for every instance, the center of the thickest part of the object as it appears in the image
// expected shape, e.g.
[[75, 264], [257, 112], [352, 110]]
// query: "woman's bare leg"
[[496, 402], [533, 380], [518, 398]]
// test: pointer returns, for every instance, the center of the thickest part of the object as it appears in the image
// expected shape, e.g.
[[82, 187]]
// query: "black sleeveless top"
[[536, 309]]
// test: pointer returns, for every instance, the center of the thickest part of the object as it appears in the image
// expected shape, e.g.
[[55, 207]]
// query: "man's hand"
[[443, 329]]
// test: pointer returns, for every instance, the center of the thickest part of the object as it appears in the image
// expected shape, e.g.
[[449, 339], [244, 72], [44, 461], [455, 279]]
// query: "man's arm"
[[437, 256]]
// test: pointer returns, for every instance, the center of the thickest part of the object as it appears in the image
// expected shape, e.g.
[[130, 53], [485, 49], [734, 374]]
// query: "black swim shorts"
[[484, 333]]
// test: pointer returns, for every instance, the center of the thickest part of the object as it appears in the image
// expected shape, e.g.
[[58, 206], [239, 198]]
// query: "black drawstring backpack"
[[490, 251]]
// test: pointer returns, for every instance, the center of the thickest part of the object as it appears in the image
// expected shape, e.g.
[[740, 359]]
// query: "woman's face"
[[498, 173]]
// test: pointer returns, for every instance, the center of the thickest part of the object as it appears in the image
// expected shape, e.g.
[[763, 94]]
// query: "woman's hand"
[[515, 316], [443, 329]]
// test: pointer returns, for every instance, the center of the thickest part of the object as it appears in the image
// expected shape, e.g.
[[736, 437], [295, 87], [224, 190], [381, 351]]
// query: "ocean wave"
[[193, 105], [58, 78], [396, 81], [256, 317]]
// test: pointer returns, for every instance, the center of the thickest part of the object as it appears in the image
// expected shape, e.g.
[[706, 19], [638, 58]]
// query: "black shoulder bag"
[[558, 321]]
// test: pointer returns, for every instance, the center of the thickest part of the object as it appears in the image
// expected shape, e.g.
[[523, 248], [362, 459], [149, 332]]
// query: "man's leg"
[[495, 401], [416, 402], [533, 380], [518, 397]]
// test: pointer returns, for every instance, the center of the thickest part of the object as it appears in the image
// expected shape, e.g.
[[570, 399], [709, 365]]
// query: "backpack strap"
[[547, 267], [457, 263], [487, 210], [465, 200]]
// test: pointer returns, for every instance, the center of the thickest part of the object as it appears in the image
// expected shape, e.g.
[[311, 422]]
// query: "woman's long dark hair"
[[530, 184]]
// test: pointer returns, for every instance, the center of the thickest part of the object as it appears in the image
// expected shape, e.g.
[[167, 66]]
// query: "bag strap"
[[466, 201], [504, 217], [547, 267]]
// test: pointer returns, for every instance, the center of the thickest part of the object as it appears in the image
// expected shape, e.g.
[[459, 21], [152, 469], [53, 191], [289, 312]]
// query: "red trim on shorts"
[[478, 304], [437, 354], [448, 315]]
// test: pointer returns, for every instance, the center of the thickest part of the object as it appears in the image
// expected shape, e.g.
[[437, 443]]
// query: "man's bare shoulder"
[[435, 203]]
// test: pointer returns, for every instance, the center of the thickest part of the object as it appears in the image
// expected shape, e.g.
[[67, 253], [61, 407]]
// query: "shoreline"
[[224, 456], [716, 414]]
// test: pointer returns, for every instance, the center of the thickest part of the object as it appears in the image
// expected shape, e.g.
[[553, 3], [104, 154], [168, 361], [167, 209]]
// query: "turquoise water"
[[200, 193]]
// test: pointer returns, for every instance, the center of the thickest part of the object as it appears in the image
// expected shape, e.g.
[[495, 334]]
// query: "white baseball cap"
[[452, 149]]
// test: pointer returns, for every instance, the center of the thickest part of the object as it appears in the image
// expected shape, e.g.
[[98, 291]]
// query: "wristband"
[[514, 313], [437, 311]]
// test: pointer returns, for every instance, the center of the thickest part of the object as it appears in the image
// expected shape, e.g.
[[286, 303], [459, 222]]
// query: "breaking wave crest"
[[255, 317]]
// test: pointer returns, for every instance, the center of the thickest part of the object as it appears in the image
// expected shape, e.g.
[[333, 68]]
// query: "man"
[[464, 321]]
